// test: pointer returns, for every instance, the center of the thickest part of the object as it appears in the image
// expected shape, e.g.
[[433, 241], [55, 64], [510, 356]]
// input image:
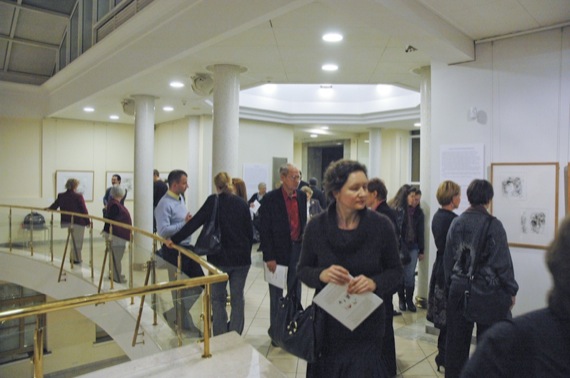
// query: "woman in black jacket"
[[235, 258]]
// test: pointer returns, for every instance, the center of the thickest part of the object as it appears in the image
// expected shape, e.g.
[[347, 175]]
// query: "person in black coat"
[[317, 193], [449, 196], [235, 258], [377, 194], [351, 245], [536, 344], [283, 216]]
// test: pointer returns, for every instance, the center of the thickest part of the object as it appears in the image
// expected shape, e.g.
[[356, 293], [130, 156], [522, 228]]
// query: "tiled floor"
[[415, 349]]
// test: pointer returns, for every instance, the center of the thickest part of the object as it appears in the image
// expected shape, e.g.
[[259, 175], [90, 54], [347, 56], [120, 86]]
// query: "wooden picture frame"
[[127, 182], [526, 202], [85, 182]]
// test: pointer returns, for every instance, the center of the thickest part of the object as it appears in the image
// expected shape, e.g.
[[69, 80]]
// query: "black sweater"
[[235, 224]]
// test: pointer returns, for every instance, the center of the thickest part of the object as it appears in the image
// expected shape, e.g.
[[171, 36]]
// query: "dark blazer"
[[275, 231], [72, 202], [319, 195]]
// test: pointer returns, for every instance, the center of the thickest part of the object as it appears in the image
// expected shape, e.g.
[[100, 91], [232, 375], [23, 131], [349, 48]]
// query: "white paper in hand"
[[277, 278]]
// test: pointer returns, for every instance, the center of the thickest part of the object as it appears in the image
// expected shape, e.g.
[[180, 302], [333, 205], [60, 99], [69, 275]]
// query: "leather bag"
[[484, 303], [298, 331], [209, 241]]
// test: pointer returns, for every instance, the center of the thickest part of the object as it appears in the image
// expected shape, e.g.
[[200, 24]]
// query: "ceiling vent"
[[203, 84]]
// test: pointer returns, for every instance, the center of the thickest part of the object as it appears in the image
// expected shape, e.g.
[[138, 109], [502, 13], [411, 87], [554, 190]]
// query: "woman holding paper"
[[353, 246]]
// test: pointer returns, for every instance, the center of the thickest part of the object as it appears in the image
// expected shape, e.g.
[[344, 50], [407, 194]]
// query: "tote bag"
[[210, 239]]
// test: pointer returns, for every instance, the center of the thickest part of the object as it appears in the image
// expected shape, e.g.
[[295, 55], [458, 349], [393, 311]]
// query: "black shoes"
[[439, 361]]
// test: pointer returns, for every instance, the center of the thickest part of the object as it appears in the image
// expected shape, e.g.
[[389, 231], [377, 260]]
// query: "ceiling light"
[[88, 109], [329, 67], [366, 141], [314, 136], [332, 37], [324, 127], [167, 108], [114, 116], [417, 124], [176, 84]]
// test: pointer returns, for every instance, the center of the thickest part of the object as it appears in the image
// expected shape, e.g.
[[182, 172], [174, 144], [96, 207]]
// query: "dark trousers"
[[276, 293], [460, 331], [388, 343]]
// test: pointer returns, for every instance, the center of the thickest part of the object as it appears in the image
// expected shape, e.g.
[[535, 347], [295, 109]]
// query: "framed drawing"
[[85, 182], [526, 202], [127, 182]]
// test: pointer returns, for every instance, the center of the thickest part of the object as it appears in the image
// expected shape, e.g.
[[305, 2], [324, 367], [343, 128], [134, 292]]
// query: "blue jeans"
[[238, 275], [410, 269], [276, 293]]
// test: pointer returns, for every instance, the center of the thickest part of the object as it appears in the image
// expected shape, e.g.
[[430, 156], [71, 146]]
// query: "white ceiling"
[[277, 41]]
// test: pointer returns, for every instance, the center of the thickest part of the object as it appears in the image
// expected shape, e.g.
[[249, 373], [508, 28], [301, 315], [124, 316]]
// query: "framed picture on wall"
[[85, 182], [127, 182], [526, 202]]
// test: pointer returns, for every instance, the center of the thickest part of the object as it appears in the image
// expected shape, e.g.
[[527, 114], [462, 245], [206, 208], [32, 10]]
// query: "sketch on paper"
[[533, 221], [512, 187]]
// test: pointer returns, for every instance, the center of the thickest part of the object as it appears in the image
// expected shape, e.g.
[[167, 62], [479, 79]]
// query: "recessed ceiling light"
[[332, 37], [167, 108], [113, 116], [329, 67], [314, 136], [176, 84], [417, 124], [88, 109], [366, 141], [324, 127]]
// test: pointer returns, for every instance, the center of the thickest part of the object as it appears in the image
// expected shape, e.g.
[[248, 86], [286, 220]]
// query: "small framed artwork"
[[526, 202], [127, 182], [85, 179]]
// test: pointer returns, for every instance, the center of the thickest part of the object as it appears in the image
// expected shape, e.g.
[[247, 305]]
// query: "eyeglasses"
[[294, 177]]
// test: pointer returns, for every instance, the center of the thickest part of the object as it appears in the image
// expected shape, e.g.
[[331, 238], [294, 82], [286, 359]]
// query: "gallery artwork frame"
[[526, 202], [127, 182], [85, 182]]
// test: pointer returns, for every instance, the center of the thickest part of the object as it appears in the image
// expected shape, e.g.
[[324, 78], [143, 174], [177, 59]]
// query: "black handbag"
[[298, 331], [209, 241], [483, 303]]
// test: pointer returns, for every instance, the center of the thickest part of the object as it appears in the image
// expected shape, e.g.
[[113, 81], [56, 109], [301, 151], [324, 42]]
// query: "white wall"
[[522, 87]]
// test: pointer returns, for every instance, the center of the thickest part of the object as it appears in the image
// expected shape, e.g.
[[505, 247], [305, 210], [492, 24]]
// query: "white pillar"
[[226, 118], [144, 163], [425, 182], [193, 193], [374, 152]]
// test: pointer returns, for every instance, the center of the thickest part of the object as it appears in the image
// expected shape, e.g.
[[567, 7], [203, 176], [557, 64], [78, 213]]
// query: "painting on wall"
[[526, 202], [85, 182], [127, 182]]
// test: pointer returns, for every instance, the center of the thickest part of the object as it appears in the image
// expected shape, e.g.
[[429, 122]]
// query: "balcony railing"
[[52, 245]]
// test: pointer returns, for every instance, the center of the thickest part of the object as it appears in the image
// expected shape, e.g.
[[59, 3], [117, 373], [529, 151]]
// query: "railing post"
[[32, 232], [207, 316], [51, 236], [38, 349], [91, 249], [131, 276], [111, 259], [10, 229]]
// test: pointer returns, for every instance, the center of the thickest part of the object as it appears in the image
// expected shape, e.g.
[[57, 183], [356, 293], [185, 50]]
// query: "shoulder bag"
[[209, 241], [298, 331], [484, 303]]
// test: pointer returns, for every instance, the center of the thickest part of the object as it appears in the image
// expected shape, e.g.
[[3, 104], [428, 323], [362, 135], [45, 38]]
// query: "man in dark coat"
[[283, 218], [317, 193]]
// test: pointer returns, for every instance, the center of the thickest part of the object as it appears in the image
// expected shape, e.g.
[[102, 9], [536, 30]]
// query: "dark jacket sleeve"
[[500, 258], [308, 270], [199, 219], [388, 281], [421, 230], [55, 204]]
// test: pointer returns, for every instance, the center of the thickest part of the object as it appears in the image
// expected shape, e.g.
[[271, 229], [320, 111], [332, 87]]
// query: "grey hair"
[[117, 191]]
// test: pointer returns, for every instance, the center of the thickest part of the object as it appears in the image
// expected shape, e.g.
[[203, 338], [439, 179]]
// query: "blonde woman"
[[235, 258]]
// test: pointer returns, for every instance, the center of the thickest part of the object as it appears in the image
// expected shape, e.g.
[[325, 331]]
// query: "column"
[[374, 152], [144, 163], [425, 182], [193, 194], [226, 118]]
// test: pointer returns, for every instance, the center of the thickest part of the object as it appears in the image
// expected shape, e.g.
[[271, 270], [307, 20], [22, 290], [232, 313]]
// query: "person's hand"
[[188, 217], [421, 257], [251, 205], [271, 265], [513, 301], [335, 274], [361, 284], [169, 243]]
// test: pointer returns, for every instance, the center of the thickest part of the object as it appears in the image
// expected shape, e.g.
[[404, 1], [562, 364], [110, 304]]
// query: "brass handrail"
[[215, 276]]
